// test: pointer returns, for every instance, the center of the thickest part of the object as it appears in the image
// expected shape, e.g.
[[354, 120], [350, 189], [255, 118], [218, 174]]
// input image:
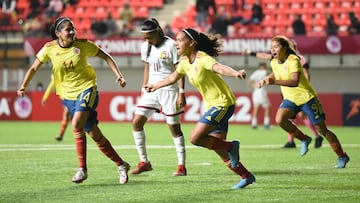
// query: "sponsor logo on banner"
[[351, 109], [333, 44], [23, 107]]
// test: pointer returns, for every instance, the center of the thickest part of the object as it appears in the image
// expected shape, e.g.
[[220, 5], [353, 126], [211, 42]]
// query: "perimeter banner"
[[341, 109], [231, 46]]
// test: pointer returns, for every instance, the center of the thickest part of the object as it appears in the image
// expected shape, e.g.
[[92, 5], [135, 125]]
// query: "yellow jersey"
[[70, 68], [304, 91], [213, 89]]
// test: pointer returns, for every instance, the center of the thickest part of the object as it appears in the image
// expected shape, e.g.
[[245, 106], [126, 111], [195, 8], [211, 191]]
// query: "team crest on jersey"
[[196, 69], [77, 51], [164, 55]]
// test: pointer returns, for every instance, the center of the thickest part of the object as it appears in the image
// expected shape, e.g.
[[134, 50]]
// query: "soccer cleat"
[[58, 138], [318, 141], [234, 153], [245, 182], [123, 172], [305, 145], [80, 176], [141, 167], [289, 145], [181, 171], [267, 127], [342, 161], [254, 127]]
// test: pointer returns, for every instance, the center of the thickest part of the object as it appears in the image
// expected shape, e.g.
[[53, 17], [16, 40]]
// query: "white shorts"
[[260, 98], [163, 101]]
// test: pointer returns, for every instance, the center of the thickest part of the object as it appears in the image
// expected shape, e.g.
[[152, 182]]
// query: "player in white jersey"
[[160, 58], [259, 97]]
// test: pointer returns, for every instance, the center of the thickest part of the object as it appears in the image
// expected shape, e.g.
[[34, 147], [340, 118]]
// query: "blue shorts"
[[86, 101], [218, 116], [312, 109]]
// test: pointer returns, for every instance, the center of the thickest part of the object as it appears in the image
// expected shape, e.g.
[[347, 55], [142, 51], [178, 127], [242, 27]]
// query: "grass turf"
[[36, 168]]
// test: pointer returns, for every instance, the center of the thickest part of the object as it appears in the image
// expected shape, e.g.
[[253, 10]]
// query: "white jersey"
[[161, 61], [259, 95]]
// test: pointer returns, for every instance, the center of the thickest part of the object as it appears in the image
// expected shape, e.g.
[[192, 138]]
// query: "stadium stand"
[[278, 14]]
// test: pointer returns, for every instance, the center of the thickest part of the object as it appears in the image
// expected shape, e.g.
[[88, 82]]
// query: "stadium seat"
[[154, 3], [191, 10], [141, 12], [313, 11], [224, 2]]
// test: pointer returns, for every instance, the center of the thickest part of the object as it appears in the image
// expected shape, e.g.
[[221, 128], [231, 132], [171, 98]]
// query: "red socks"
[[240, 169], [106, 148], [218, 144], [80, 143]]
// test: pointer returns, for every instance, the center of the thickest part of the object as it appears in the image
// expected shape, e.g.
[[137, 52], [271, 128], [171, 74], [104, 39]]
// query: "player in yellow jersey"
[[204, 73], [267, 56], [75, 84], [66, 118], [298, 95]]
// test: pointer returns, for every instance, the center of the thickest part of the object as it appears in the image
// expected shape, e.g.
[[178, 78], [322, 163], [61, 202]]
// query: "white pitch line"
[[56, 147]]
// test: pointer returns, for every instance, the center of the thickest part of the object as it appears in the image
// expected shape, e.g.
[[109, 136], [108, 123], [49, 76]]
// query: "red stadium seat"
[[141, 12], [154, 3], [191, 10], [224, 2], [278, 13]]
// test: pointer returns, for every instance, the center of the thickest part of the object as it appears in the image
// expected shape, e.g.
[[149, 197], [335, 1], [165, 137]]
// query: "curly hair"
[[211, 44]]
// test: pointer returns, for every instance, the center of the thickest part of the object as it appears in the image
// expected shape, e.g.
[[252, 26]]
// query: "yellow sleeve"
[[49, 88]]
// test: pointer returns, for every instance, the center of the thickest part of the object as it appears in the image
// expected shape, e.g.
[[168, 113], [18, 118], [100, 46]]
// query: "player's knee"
[[279, 119], [138, 124], [194, 140]]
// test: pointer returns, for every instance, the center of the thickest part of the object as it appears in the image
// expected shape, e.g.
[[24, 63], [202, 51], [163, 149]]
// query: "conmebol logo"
[[333, 44], [23, 107]]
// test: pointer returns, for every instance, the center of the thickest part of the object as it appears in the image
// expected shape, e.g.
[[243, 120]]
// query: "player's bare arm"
[[175, 76], [28, 76], [111, 62], [228, 71]]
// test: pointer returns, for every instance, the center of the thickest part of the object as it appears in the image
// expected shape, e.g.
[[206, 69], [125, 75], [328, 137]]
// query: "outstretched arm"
[[259, 55], [28, 76], [228, 71], [175, 76], [111, 62], [270, 80]]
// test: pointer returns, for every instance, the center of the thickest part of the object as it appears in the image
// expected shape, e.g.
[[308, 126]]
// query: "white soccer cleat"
[[80, 176], [123, 172]]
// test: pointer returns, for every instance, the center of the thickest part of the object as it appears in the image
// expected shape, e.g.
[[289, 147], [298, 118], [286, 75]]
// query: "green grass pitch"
[[36, 168]]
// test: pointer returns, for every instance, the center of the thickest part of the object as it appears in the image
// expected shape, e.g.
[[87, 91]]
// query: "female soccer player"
[[290, 143], [298, 95], [75, 84], [204, 73], [158, 53], [259, 97]]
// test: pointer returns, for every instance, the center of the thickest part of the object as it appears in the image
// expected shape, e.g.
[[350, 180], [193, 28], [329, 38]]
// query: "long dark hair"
[[286, 43], [211, 44], [58, 25]]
